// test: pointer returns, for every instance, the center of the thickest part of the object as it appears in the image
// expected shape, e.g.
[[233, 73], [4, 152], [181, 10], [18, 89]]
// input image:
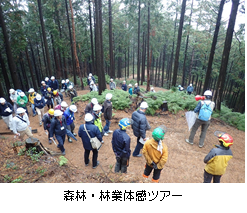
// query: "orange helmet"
[[226, 140]]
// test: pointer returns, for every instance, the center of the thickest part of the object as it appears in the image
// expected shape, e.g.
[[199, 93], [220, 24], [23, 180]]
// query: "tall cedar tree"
[[111, 71], [148, 56], [91, 37], [138, 42]]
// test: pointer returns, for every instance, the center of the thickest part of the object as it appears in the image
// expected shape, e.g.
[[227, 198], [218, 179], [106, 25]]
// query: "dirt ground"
[[185, 162]]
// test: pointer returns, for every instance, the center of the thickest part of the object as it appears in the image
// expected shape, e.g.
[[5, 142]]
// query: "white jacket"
[[13, 97], [18, 124]]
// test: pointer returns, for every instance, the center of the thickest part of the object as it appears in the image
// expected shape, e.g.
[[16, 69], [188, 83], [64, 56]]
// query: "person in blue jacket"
[[136, 89], [69, 116], [190, 89], [43, 88], [54, 83], [93, 131], [39, 104], [121, 145], [47, 81], [64, 87], [6, 110], [130, 89], [124, 86], [58, 127]]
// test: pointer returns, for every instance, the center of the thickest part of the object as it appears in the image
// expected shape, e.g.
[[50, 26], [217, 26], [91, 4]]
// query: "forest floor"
[[184, 165]]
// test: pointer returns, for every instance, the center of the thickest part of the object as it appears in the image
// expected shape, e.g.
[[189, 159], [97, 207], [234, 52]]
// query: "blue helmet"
[[125, 122]]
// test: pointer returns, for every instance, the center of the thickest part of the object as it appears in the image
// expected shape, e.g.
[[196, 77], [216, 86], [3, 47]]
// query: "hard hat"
[[158, 134], [20, 110], [51, 112], [11, 91], [152, 88], [97, 107], [136, 84], [64, 104], [124, 81], [108, 96], [179, 85], [130, 85], [190, 85], [70, 86], [46, 79], [111, 79], [52, 77], [90, 75], [49, 89], [207, 93], [42, 82], [226, 140], [57, 112], [144, 105], [22, 94], [88, 117], [31, 90], [63, 81], [73, 108], [2, 100], [54, 92], [182, 88], [67, 80], [38, 97], [94, 101], [124, 123]]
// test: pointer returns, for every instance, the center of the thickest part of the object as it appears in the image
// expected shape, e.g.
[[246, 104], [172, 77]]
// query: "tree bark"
[[5, 75], [148, 56], [111, 72], [138, 42]]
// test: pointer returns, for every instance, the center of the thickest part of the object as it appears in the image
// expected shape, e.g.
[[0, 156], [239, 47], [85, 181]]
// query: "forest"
[[159, 43]]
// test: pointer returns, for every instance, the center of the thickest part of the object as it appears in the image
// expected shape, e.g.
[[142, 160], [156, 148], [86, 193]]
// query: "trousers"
[[121, 164], [95, 156], [156, 175], [208, 177]]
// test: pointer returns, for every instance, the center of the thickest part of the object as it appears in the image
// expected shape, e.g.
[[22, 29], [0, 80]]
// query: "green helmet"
[[158, 134]]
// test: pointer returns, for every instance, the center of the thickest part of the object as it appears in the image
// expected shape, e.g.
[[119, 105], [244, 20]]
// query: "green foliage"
[[7, 178], [34, 154], [40, 170], [63, 161], [17, 180]]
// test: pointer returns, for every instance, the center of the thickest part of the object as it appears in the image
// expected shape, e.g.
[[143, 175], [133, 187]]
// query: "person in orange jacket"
[[155, 153]]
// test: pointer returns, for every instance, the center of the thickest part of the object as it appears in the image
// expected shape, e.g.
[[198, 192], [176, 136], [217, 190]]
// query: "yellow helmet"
[[51, 112], [49, 89], [54, 92]]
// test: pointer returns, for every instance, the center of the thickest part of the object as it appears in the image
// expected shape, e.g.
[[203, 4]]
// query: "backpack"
[[205, 111]]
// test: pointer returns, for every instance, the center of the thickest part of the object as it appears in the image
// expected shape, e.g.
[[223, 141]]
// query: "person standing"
[[20, 124], [6, 112], [62, 106], [39, 104], [93, 131], [72, 92], [22, 101], [190, 89], [155, 153], [47, 81], [89, 107], [121, 145], [31, 97], [217, 159], [130, 89], [54, 84], [140, 126], [124, 86], [49, 98], [136, 89], [204, 109], [13, 97], [58, 127], [43, 88], [112, 84], [47, 118], [69, 117], [57, 96], [64, 87], [107, 106]]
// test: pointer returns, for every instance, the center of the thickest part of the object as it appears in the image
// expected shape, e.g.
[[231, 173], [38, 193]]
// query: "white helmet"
[[136, 84], [190, 85], [31, 90], [207, 93], [57, 112], [11, 91], [152, 88], [130, 85], [144, 105], [90, 75], [67, 80], [88, 117], [97, 107], [52, 77], [2, 100], [38, 97], [73, 108], [64, 104], [22, 94], [108, 96], [46, 79], [70, 87], [111, 79], [63, 81], [42, 82], [94, 101], [20, 110], [124, 81]]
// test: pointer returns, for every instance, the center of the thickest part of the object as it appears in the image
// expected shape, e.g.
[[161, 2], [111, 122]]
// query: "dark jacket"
[[89, 108], [64, 86], [5, 106], [136, 90], [56, 126], [48, 83], [47, 121], [39, 104], [54, 85], [140, 124], [48, 97], [92, 78], [124, 87], [107, 110], [72, 93], [93, 131], [121, 143], [43, 89]]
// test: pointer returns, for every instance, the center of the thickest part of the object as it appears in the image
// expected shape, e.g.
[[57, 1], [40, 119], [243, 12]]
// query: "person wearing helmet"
[[90, 78], [121, 145], [155, 153], [49, 98], [69, 117], [58, 128], [13, 97], [112, 84], [57, 96], [140, 126], [89, 107], [6, 112], [152, 89], [93, 131], [124, 86], [190, 89], [72, 92], [39, 103], [31, 97], [22, 101], [93, 86], [47, 118], [47, 81], [136, 89], [62, 106], [43, 88], [107, 106], [203, 112], [54, 84], [130, 89], [64, 87], [217, 159], [20, 124], [97, 117]]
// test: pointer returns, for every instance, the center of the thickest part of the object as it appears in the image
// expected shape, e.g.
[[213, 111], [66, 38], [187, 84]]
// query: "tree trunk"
[[111, 72], [138, 42], [148, 56], [163, 66], [143, 58], [35, 65], [5, 75]]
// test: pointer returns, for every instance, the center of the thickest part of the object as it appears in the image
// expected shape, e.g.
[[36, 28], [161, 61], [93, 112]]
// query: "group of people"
[[189, 89]]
